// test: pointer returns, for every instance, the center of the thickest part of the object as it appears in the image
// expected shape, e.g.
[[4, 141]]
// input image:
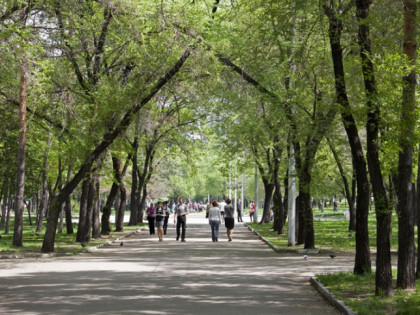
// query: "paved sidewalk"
[[145, 276]]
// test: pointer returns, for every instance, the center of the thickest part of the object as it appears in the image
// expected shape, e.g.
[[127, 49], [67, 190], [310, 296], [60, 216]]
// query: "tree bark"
[[69, 223], [106, 226], [108, 139], [278, 224], [383, 276], [119, 225], [406, 247], [418, 215], [21, 155], [44, 195], [96, 224], [4, 202], [83, 210], [362, 260], [133, 197]]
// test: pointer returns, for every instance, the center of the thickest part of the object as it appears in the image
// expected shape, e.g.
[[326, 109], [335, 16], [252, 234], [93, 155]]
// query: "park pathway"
[[145, 276]]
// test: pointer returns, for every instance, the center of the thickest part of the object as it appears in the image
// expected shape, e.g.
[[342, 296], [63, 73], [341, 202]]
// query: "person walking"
[[150, 212], [160, 217], [167, 214], [215, 218], [251, 211], [239, 207], [181, 211], [222, 209], [229, 218], [209, 205]]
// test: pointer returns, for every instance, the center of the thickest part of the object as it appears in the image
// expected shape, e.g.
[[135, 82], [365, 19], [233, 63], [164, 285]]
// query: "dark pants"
[[165, 224], [151, 225], [181, 221], [251, 217], [240, 216]]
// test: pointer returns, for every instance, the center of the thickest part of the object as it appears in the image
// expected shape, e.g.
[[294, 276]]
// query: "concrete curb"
[[282, 250], [50, 255], [325, 293], [330, 297], [92, 249]]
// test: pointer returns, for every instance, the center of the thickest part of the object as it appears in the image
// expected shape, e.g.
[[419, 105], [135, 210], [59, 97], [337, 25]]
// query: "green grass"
[[331, 232], [358, 292], [64, 243]]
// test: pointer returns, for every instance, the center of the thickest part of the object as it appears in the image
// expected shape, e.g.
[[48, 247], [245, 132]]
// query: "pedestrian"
[[160, 217], [251, 211], [167, 214], [222, 209], [150, 212], [215, 218], [271, 214], [239, 208], [181, 211], [209, 205], [229, 218]]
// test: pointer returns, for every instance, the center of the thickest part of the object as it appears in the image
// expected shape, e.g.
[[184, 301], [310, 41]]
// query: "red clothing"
[[150, 212]]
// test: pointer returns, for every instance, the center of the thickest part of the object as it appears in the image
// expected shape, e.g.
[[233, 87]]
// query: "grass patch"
[[331, 232], [358, 293], [64, 243]]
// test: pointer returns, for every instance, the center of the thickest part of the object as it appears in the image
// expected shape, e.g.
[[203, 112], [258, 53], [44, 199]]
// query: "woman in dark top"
[[160, 217], [229, 219]]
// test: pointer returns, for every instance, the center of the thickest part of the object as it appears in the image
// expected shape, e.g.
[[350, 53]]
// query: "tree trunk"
[[268, 196], [418, 215], [83, 210], [69, 223], [4, 202], [96, 224], [133, 197], [9, 208], [45, 194], [89, 211], [119, 225], [406, 247], [20, 183], [278, 224], [106, 226], [362, 260], [383, 212]]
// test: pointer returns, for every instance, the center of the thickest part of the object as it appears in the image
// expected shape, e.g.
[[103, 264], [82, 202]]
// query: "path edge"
[[51, 255], [330, 297]]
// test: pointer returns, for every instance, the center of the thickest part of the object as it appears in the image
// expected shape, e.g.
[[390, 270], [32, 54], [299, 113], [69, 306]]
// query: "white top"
[[214, 214]]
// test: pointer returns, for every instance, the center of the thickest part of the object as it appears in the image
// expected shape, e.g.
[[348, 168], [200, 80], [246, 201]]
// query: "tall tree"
[[20, 189], [406, 248], [383, 210], [335, 15]]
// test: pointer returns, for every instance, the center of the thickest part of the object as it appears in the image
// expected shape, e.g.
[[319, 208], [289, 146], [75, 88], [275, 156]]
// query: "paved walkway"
[[145, 276]]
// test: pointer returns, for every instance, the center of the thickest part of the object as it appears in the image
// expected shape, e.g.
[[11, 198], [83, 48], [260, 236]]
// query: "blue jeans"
[[214, 230]]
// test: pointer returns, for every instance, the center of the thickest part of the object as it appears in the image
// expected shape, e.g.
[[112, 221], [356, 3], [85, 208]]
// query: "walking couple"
[[215, 219]]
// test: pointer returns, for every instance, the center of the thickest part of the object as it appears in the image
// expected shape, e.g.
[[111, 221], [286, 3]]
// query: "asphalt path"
[[145, 276]]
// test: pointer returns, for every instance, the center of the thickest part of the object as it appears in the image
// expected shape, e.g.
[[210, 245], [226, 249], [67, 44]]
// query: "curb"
[[92, 249], [331, 298], [282, 250], [51, 255], [325, 293]]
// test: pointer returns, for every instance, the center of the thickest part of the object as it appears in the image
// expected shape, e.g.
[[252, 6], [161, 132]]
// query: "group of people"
[[216, 213], [159, 215]]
